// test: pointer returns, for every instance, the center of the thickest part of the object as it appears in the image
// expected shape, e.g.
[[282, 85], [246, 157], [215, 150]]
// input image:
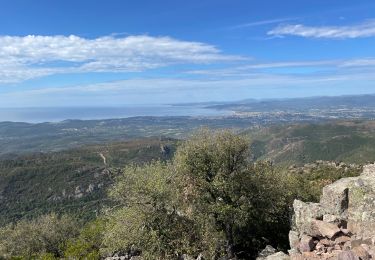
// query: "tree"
[[211, 166], [210, 199], [148, 217]]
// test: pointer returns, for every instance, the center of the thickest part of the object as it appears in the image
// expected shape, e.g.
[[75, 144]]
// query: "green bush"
[[87, 245], [210, 199], [44, 237]]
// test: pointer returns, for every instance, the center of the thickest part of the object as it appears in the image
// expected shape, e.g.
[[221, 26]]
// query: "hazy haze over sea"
[[55, 114]]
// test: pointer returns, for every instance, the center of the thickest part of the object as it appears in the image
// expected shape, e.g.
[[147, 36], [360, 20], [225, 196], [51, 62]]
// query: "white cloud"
[[365, 29], [368, 62], [262, 22], [22, 58], [320, 65], [174, 90]]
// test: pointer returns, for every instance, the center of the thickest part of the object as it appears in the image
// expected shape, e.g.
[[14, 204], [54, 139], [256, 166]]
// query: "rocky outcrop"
[[270, 253], [341, 226]]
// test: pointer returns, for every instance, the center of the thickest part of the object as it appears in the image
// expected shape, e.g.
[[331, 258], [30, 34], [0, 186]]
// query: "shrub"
[[45, 236]]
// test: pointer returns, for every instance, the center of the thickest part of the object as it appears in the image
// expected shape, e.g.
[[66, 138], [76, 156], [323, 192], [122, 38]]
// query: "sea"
[[57, 114]]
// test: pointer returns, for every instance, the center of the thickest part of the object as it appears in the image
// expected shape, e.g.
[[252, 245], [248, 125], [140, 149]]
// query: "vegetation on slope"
[[73, 181], [66, 181], [350, 141], [210, 199]]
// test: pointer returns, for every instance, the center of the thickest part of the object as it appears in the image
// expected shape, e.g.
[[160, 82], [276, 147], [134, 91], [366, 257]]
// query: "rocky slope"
[[341, 226]]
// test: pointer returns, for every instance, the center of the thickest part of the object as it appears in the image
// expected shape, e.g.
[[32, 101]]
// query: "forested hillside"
[[209, 200], [73, 181], [347, 141]]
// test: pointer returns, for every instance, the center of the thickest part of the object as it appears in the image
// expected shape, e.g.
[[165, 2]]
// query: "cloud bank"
[[362, 30], [23, 58]]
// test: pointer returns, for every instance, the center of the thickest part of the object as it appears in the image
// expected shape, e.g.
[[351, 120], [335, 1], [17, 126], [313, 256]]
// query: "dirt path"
[[103, 157]]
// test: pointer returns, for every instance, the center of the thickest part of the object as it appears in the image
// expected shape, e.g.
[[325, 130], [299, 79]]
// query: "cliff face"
[[341, 226]]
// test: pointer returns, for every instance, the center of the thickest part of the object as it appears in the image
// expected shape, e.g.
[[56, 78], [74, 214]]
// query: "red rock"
[[296, 256], [361, 253], [325, 229], [342, 239], [310, 256], [337, 247], [306, 244]]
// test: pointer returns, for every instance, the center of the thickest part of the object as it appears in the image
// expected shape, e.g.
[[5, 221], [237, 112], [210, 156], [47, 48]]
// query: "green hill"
[[351, 142], [73, 181], [76, 180]]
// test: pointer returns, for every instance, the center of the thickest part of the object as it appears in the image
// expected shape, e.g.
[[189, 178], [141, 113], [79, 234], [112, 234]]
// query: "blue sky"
[[117, 52]]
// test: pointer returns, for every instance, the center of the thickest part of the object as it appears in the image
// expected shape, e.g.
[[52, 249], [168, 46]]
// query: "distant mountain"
[[16, 138], [299, 104]]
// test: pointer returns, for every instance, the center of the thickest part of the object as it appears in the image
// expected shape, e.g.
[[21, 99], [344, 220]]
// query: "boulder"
[[361, 252], [304, 214], [278, 256], [361, 211], [325, 229], [334, 199], [310, 256], [293, 239], [347, 255], [340, 240], [341, 226], [296, 256], [334, 219], [306, 244], [267, 251]]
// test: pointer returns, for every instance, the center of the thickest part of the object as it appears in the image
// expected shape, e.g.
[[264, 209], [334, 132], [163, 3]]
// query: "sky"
[[120, 52]]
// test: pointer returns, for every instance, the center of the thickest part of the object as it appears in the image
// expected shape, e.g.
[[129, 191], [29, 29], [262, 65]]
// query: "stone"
[[361, 253], [345, 231], [326, 242], [334, 199], [368, 170], [310, 256], [304, 213], [278, 256], [296, 256], [359, 242], [347, 255], [186, 257], [334, 219], [342, 239], [366, 247], [361, 211], [293, 239], [325, 229], [347, 245], [342, 225], [267, 251], [306, 244], [372, 252], [337, 247], [320, 247]]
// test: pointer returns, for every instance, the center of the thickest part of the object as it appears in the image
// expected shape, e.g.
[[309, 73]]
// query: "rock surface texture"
[[341, 226]]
